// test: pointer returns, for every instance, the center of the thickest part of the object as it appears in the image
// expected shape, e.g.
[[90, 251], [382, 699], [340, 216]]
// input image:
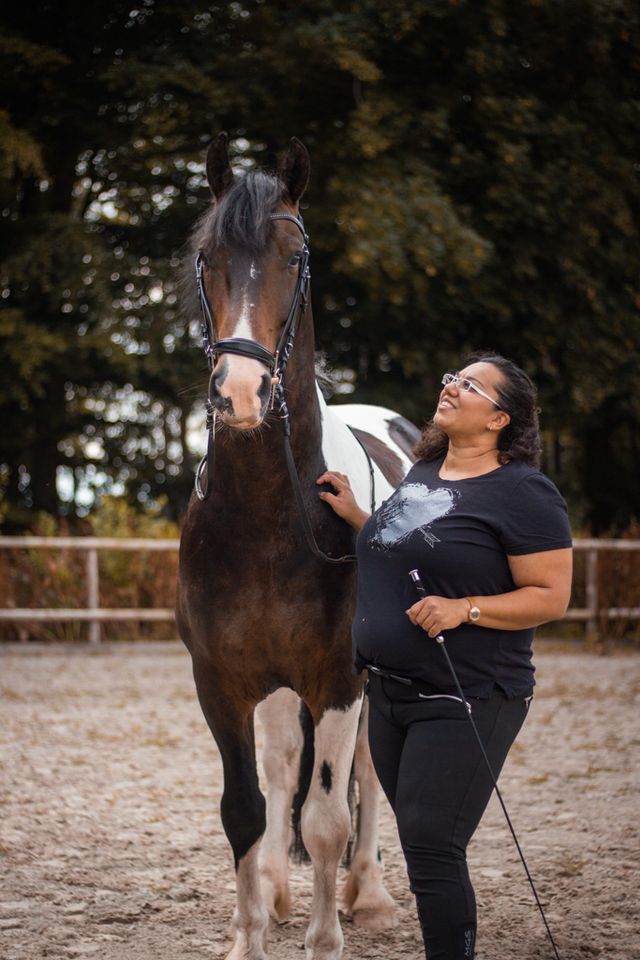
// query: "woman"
[[490, 537]]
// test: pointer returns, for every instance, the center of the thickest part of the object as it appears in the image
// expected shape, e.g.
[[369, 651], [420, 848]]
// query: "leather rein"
[[276, 363]]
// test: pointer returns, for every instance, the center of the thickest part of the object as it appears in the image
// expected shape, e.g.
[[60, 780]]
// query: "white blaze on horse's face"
[[251, 293], [240, 385]]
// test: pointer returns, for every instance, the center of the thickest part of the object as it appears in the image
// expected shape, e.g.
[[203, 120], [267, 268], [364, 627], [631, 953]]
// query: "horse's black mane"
[[241, 218]]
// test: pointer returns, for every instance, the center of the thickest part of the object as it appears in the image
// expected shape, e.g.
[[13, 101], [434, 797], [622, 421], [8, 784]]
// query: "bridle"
[[276, 363]]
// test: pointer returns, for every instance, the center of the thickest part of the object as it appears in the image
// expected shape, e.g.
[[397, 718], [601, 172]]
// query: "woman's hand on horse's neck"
[[342, 501]]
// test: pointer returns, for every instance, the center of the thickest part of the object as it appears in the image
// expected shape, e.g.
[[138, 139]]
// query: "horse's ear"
[[219, 172], [294, 169]]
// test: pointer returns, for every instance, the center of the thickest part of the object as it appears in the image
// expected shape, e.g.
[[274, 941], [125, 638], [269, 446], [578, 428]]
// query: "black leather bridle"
[[276, 363]]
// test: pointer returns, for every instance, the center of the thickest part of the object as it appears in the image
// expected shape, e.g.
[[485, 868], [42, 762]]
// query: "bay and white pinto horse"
[[265, 618]]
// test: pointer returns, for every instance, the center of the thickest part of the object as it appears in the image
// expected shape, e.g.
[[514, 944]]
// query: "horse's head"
[[251, 258]]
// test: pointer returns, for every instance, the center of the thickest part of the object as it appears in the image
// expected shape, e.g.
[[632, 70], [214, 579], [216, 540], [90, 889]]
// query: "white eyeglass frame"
[[466, 385]]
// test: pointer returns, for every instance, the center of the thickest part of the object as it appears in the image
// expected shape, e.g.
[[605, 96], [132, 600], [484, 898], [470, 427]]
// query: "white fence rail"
[[95, 615]]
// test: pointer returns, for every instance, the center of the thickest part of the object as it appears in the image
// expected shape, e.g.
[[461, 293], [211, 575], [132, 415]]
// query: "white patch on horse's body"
[[326, 825], [278, 716], [412, 507], [344, 454], [250, 920]]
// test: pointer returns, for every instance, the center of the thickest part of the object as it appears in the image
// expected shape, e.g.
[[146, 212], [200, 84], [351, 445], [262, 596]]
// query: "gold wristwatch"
[[474, 612]]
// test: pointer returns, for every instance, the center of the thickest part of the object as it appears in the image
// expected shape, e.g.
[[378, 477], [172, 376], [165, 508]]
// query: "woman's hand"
[[435, 614], [343, 500]]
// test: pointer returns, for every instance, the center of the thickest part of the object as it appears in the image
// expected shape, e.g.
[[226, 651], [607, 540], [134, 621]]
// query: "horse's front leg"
[[278, 715], [365, 897], [326, 825], [242, 808]]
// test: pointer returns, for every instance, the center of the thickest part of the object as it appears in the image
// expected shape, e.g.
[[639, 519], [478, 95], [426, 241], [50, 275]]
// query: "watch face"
[[474, 614]]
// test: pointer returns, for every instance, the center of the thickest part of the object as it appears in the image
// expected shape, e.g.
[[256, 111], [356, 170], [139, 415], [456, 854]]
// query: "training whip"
[[421, 591]]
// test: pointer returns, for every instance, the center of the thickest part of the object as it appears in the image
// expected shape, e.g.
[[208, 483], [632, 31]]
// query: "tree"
[[473, 186]]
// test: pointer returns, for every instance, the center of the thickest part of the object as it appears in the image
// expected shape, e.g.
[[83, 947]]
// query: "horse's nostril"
[[222, 404], [264, 390]]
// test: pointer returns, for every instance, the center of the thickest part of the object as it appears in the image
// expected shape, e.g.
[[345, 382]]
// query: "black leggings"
[[432, 771]]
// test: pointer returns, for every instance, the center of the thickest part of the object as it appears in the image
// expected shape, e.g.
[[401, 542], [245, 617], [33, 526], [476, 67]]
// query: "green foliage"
[[475, 184]]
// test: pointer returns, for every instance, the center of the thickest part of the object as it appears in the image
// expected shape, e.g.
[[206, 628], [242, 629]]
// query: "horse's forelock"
[[241, 217]]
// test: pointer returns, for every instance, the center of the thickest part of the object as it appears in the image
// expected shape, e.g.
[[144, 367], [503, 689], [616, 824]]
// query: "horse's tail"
[[297, 851]]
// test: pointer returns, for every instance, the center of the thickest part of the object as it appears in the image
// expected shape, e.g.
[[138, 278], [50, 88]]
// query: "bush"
[[55, 577]]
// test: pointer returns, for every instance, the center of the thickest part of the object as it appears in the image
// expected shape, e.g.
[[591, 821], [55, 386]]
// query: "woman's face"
[[468, 411]]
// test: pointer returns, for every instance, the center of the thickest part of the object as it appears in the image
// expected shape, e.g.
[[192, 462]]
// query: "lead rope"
[[208, 461], [297, 489]]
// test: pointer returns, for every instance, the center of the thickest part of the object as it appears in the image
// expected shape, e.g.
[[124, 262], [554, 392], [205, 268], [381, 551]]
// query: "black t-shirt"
[[458, 533]]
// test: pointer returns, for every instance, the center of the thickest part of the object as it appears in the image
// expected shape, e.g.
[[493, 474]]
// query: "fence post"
[[592, 594], [93, 593]]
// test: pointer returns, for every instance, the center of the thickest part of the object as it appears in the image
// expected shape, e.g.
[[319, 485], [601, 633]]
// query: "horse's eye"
[[295, 260]]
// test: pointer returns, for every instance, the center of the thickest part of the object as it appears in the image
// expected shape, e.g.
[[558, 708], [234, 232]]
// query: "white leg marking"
[[365, 897], [278, 715], [250, 919], [326, 826]]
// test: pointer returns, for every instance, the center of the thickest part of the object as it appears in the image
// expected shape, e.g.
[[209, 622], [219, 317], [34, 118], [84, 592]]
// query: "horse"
[[266, 589]]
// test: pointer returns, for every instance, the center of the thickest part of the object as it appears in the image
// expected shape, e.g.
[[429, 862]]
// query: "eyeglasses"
[[463, 384]]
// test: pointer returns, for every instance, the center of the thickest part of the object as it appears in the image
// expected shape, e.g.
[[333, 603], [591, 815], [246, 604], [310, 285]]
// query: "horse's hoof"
[[382, 918], [276, 898], [367, 902], [249, 944], [325, 945], [241, 951], [324, 953]]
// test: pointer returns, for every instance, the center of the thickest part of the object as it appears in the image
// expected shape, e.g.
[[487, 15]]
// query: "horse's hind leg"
[[326, 824], [278, 715], [365, 897], [242, 810]]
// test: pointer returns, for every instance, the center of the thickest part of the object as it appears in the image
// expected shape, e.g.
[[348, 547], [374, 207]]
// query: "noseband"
[[276, 363]]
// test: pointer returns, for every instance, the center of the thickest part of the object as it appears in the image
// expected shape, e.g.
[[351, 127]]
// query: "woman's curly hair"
[[517, 396]]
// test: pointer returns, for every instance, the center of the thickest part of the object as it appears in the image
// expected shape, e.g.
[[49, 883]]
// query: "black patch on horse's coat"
[[405, 434], [326, 776], [389, 462], [244, 819]]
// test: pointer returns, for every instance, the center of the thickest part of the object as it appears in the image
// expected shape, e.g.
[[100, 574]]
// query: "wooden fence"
[[95, 615]]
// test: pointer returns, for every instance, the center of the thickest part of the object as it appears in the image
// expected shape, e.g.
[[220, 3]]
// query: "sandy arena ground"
[[112, 848]]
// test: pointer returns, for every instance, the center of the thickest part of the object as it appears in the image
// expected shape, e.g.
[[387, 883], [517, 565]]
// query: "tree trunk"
[[43, 470]]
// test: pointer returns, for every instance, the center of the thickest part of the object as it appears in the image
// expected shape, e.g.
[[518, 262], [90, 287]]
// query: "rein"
[[276, 363]]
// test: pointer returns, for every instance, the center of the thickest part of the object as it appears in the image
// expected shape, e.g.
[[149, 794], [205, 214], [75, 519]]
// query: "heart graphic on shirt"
[[413, 507]]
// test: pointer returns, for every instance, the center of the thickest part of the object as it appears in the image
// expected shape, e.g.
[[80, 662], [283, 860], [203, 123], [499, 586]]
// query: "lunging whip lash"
[[421, 591]]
